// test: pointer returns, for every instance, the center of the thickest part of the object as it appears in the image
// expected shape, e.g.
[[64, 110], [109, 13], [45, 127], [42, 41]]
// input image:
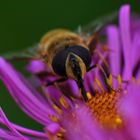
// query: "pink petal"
[[23, 95], [10, 126], [115, 54], [36, 66], [129, 107], [80, 125], [124, 21]]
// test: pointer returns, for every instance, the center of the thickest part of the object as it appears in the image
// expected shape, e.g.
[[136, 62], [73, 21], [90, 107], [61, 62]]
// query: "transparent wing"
[[97, 25], [93, 32], [26, 54]]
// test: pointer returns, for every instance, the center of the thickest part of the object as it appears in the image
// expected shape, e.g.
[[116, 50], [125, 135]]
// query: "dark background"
[[22, 23]]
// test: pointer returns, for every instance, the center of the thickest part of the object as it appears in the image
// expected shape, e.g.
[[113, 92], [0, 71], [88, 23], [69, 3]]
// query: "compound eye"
[[83, 53], [58, 63]]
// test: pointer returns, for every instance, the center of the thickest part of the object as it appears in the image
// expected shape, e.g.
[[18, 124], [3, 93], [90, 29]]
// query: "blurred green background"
[[22, 23]]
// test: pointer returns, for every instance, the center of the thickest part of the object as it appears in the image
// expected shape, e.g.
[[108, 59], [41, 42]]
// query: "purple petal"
[[5, 135], [135, 25], [115, 54], [135, 56], [15, 129], [124, 21], [129, 107], [74, 90], [30, 132], [10, 126], [53, 92], [100, 74], [138, 76], [67, 88], [39, 96], [80, 125], [53, 128], [22, 94], [88, 82], [36, 66]]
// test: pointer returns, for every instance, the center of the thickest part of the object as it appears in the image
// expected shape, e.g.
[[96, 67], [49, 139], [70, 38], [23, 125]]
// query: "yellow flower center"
[[104, 108]]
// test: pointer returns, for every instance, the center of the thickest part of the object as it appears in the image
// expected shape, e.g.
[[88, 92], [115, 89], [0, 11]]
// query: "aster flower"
[[108, 114]]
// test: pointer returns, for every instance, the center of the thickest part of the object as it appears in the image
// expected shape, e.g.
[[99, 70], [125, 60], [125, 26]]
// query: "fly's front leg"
[[91, 67], [55, 81]]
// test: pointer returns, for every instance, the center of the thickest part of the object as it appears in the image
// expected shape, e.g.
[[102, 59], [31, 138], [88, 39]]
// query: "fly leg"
[[91, 67], [55, 81]]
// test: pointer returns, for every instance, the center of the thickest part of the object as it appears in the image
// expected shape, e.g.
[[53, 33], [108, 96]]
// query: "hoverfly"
[[68, 53]]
